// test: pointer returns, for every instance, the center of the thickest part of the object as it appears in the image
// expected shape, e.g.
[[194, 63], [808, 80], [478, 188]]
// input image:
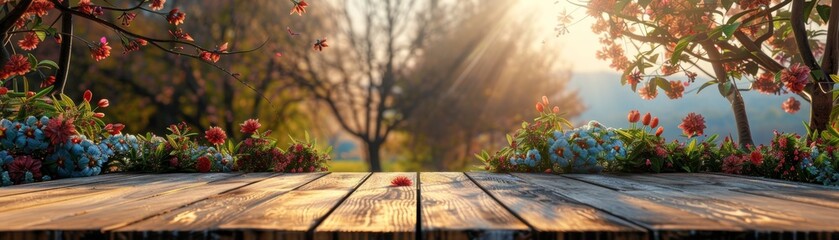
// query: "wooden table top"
[[440, 205]]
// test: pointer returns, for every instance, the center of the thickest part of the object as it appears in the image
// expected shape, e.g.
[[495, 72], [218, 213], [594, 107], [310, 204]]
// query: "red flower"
[[732, 164], [756, 157], [555, 109], [103, 103], [659, 131], [203, 164], [86, 7], [173, 162], [17, 65], [141, 41], [30, 94], [156, 4], [634, 78], [29, 42], [213, 56], [795, 78], [115, 128], [99, 115], [647, 119], [791, 105], [215, 135], [101, 51], [648, 92], [540, 107], [766, 84], [299, 7], [49, 81], [693, 124], [320, 44], [127, 18], [633, 116], [4, 90], [180, 34], [176, 17], [250, 126], [401, 181], [58, 130], [23, 164], [40, 7], [654, 123], [677, 89], [87, 95]]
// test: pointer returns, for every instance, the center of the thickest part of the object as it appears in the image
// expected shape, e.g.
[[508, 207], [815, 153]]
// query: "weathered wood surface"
[[208, 214], [453, 207], [374, 210], [553, 215], [457, 205], [756, 213], [294, 214]]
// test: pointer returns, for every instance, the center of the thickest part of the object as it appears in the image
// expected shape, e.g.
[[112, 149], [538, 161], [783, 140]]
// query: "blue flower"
[[5, 158], [5, 180], [81, 159]]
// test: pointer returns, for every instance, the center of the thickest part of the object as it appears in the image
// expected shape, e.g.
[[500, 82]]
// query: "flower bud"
[[654, 122], [659, 131], [647, 118], [103, 103]]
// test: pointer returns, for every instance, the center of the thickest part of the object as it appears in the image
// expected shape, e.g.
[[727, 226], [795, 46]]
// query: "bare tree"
[[358, 76]]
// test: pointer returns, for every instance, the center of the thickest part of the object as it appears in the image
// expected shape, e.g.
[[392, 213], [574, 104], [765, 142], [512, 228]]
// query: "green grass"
[[357, 166]]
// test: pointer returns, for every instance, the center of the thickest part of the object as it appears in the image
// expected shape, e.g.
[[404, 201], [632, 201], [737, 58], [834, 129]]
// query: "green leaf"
[[43, 92], [725, 89], [509, 139], [808, 8], [704, 85], [736, 17], [48, 63], [727, 4], [662, 83], [691, 146], [680, 47], [835, 78], [728, 29], [824, 12], [644, 3]]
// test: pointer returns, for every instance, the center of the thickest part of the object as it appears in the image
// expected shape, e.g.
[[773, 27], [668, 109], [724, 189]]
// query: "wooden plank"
[[806, 193], [62, 183], [664, 221], [552, 215], [759, 214], [374, 210], [97, 213], [453, 207], [199, 218], [55, 194], [294, 214]]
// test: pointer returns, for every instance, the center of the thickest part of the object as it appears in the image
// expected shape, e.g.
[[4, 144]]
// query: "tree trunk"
[[66, 50], [373, 156], [821, 100], [738, 106]]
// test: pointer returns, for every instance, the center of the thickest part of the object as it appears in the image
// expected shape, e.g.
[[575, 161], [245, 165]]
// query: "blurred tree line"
[[430, 81]]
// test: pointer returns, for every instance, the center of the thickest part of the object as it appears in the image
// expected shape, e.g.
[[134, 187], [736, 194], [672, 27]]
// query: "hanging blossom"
[[213, 56], [795, 78], [101, 51], [677, 89], [647, 92], [299, 7], [17, 65], [157, 5], [765, 83], [29, 42], [180, 34], [791, 105], [176, 17], [320, 44]]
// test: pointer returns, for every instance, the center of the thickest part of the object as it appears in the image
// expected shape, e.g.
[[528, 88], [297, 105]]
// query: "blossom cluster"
[[585, 149]]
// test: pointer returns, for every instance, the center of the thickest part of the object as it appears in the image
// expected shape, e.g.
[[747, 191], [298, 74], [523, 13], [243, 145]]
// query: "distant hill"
[[608, 102]]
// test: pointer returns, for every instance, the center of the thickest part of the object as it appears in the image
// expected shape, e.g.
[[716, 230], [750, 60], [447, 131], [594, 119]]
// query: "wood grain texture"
[[63, 183], [663, 221], [755, 213], [201, 218], [75, 190], [294, 214], [121, 205], [374, 210], [552, 215], [453, 207]]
